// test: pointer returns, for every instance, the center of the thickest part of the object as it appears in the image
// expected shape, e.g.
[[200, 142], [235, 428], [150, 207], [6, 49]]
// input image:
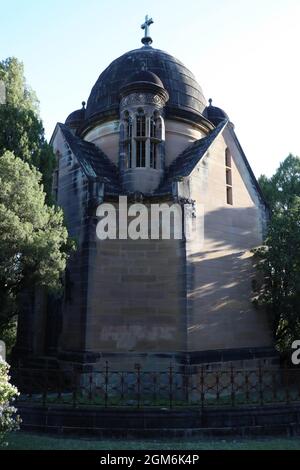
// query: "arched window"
[[160, 128], [155, 138], [141, 153], [122, 132], [153, 154], [141, 136], [129, 140], [126, 139], [153, 126], [141, 139], [141, 124], [129, 126]]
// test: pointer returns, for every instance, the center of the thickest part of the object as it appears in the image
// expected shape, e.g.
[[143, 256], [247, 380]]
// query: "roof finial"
[[210, 101], [83, 104], [147, 40]]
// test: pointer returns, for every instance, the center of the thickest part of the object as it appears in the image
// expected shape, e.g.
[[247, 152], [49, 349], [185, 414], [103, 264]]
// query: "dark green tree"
[[21, 129], [34, 242], [281, 189], [279, 258]]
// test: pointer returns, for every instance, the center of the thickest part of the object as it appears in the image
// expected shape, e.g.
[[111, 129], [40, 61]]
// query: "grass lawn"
[[28, 441]]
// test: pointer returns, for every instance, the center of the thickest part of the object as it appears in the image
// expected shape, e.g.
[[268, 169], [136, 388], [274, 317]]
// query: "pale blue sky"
[[244, 53]]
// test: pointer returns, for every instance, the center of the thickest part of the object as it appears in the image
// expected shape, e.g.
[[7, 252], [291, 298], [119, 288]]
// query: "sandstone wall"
[[220, 271], [136, 297]]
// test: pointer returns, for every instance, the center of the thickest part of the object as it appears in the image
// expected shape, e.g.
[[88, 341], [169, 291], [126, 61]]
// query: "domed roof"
[[144, 76], [185, 94], [215, 114], [144, 82], [76, 118]]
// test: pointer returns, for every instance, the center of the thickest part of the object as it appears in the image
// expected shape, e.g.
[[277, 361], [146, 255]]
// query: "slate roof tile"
[[93, 161]]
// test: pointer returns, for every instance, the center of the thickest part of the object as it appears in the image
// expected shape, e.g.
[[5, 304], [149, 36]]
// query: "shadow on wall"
[[220, 283]]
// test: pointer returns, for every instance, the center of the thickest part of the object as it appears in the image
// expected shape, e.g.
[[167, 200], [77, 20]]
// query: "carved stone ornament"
[[142, 98]]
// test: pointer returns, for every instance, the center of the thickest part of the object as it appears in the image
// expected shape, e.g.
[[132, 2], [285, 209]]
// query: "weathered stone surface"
[[154, 301]]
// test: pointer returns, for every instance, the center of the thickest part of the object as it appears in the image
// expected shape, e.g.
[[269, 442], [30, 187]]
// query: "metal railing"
[[178, 386]]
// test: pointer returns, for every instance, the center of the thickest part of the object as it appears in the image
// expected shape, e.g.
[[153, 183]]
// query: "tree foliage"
[[33, 240], [279, 258], [281, 189], [9, 420], [21, 129]]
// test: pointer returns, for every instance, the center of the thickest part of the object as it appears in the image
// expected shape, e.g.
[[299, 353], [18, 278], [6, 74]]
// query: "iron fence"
[[185, 386]]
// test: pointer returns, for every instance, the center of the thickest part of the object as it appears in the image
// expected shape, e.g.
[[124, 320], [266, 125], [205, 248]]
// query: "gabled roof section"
[[184, 164], [94, 162]]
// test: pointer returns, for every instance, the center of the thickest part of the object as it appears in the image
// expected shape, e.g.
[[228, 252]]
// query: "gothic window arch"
[[140, 123], [141, 138], [128, 134], [153, 122], [122, 132], [155, 138], [126, 139]]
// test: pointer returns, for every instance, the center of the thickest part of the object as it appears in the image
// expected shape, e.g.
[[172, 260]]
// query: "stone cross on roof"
[[147, 40]]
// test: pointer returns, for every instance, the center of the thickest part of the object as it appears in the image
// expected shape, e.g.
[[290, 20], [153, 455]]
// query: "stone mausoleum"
[[148, 133]]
